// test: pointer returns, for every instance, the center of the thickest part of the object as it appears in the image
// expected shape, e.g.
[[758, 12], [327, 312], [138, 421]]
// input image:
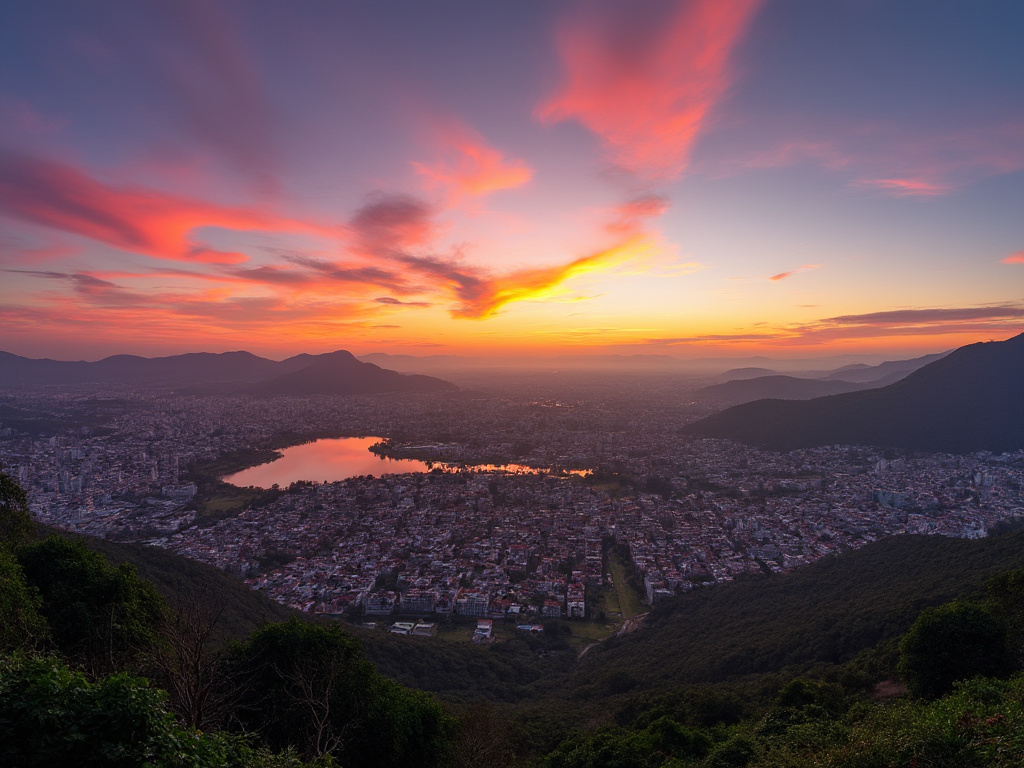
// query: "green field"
[[629, 601]]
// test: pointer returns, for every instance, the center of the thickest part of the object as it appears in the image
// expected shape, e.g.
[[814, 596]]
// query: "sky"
[[694, 178]]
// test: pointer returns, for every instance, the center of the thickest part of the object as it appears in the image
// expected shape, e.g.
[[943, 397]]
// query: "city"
[[612, 478]]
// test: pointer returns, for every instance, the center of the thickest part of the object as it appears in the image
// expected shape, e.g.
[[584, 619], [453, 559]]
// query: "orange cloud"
[[960, 322], [647, 89], [134, 219], [470, 167], [397, 231], [784, 275], [1015, 258], [485, 297]]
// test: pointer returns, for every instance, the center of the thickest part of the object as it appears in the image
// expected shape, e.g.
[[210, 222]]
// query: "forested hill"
[[179, 578], [826, 612], [969, 400]]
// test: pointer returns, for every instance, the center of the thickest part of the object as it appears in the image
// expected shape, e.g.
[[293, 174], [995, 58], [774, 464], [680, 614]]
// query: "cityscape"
[[591, 477]]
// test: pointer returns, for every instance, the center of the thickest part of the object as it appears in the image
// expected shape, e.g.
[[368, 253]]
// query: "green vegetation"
[[16, 525], [953, 642], [629, 601], [50, 714], [795, 670], [21, 624], [310, 686], [981, 724], [215, 499], [241, 610], [824, 614], [81, 640], [99, 617]]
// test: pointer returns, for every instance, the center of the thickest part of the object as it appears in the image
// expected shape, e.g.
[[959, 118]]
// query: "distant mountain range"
[[444, 365], [340, 373], [337, 373], [743, 385], [969, 400], [778, 387]]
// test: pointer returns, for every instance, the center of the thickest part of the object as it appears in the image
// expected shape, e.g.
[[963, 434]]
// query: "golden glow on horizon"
[[665, 179]]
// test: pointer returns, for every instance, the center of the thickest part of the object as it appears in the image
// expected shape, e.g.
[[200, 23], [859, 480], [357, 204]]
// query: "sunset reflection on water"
[[341, 458]]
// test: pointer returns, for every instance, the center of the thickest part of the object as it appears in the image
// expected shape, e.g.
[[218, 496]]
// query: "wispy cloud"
[[919, 317], [133, 218], [400, 230], [204, 80], [790, 273], [644, 83], [469, 167], [396, 302], [894, 160], [997, 320], [906, 187], [1015, 258]]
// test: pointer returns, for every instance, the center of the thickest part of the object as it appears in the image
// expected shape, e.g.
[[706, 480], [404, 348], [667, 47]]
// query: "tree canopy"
[[16, 526], [100, 617], [952, 642]]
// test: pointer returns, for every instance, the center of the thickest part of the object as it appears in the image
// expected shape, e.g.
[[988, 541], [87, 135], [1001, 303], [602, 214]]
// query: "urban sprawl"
[[523, 545]]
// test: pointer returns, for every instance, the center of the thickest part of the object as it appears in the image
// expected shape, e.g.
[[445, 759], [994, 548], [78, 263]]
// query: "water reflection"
[[330, 460]]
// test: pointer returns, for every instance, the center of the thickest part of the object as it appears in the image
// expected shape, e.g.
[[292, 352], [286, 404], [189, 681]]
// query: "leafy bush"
[[100, 617], [953, 642]]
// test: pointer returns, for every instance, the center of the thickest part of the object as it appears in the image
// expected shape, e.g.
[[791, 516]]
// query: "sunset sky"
[[691, 178]]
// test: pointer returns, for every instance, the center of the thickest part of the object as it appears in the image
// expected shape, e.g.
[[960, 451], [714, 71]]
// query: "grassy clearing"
[[630, 603], [611, 602], [590, 631]]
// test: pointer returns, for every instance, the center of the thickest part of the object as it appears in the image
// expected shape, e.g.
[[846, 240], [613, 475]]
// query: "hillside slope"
[[970, 400], [826, 612]]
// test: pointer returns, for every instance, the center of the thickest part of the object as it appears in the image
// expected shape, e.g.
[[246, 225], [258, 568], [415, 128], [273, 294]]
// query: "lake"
[[331, 460], [324, 460]]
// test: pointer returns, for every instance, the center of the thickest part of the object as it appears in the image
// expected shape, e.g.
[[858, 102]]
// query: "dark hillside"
[[779, 387], [502, 672], [245, 609], [827, 612], [970, 400]]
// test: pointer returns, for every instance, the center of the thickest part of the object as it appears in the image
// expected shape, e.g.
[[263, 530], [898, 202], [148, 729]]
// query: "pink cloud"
[[647, 89], [891, 159], [630, 216], [134, 218], [790, 273], [1015, 258], [906, 187], [390, 222], [471, 167]]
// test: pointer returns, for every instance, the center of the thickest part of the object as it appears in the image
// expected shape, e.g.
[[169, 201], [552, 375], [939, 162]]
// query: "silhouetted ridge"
[[330, 373], [342, 374], [970, 400], [781, 387]]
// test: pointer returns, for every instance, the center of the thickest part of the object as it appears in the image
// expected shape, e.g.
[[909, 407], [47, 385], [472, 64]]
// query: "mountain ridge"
[[969, 400], [338, 372]]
